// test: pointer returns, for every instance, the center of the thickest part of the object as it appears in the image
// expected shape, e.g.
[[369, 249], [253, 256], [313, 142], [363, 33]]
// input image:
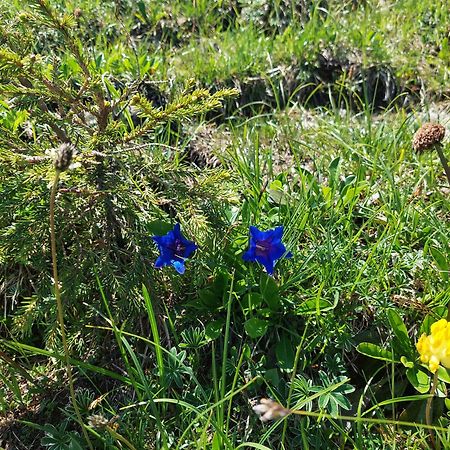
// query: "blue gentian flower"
[[174, 248], [266, 247]]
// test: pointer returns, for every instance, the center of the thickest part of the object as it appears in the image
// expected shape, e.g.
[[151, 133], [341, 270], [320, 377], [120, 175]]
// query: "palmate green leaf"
[[60, 438], [375, 351], [342, 401], [324, 400]]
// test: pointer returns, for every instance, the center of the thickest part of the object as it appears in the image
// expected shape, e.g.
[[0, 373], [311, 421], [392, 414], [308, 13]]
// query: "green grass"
[[177, 362]]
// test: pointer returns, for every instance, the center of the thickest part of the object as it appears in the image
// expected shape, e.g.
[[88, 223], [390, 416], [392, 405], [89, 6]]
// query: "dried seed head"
[[97, 421], [62, 156], [267, 409], [427, 136], [77, 12]]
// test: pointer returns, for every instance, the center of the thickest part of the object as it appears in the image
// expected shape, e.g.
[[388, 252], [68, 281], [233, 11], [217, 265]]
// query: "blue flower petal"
[[174, 248], [249, 255], [277, 251], [190, 248], [256, 234], [157, 239], [277, 233], [176, 232], [179, 266], [161, 262], [265, 247], [267, 262]]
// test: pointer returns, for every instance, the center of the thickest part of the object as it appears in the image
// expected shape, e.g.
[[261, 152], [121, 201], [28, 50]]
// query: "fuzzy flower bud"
[[62, 156], [267, 409], [434, 349], [427, 136], [97, 421]]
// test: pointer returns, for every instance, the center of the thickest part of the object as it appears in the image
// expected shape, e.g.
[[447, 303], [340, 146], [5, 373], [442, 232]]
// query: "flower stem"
[[120, 438], [60, 307], [443, 161], [428, 410]]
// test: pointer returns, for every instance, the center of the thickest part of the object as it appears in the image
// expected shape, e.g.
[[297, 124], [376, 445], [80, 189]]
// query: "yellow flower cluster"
[[435, 348]]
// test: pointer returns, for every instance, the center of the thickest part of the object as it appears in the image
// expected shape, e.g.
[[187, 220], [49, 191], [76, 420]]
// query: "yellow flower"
[[434, 349]]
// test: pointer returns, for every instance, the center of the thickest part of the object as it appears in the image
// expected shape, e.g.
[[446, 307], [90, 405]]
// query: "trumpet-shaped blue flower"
[[266, 247], [174, 248]]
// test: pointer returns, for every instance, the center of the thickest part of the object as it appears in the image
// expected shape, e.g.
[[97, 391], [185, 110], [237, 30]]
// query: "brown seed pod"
[[63, 156], [428, 135]]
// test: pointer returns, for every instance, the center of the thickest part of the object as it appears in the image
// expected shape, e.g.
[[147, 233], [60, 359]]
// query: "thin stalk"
[[214, 375], [428, 410], [120, 438], [443, 161], [59, 305], [399, 423], [225, 347], [233, 385], [294, 374]]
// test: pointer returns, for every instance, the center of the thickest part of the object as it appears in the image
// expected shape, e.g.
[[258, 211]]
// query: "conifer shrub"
[[126, 179]]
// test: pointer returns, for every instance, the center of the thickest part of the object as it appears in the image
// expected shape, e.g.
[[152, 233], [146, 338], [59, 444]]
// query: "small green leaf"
[[323, 400], [314, 306], [159, 227], [342, 401], [441, 262], [216, 442], [285, 353], [400, 331], [439, 311], [443, 374], [447, 403], [419, 379], [406, 362], [252, 300], [269, 291], [255, 327], [272, 377], [375, 351], [333, 170], [209, 299], [276, 192], [213, 329]]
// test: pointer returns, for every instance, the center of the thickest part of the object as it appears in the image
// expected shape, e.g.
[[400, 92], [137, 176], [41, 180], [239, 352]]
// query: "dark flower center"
[[263, 247], [178, 248]]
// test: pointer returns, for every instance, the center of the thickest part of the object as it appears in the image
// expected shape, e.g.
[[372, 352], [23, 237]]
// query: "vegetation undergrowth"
[[210, 210]]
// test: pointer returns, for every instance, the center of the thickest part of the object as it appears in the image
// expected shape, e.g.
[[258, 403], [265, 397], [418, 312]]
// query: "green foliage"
[[60, 439], [177, 361], [120, 183]]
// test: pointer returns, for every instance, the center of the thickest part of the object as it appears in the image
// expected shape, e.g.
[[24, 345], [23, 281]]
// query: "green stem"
[[120, 438], [399, 423], [294, 374], [225, 347], [428, 410], [443, 161], [60, 307]]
